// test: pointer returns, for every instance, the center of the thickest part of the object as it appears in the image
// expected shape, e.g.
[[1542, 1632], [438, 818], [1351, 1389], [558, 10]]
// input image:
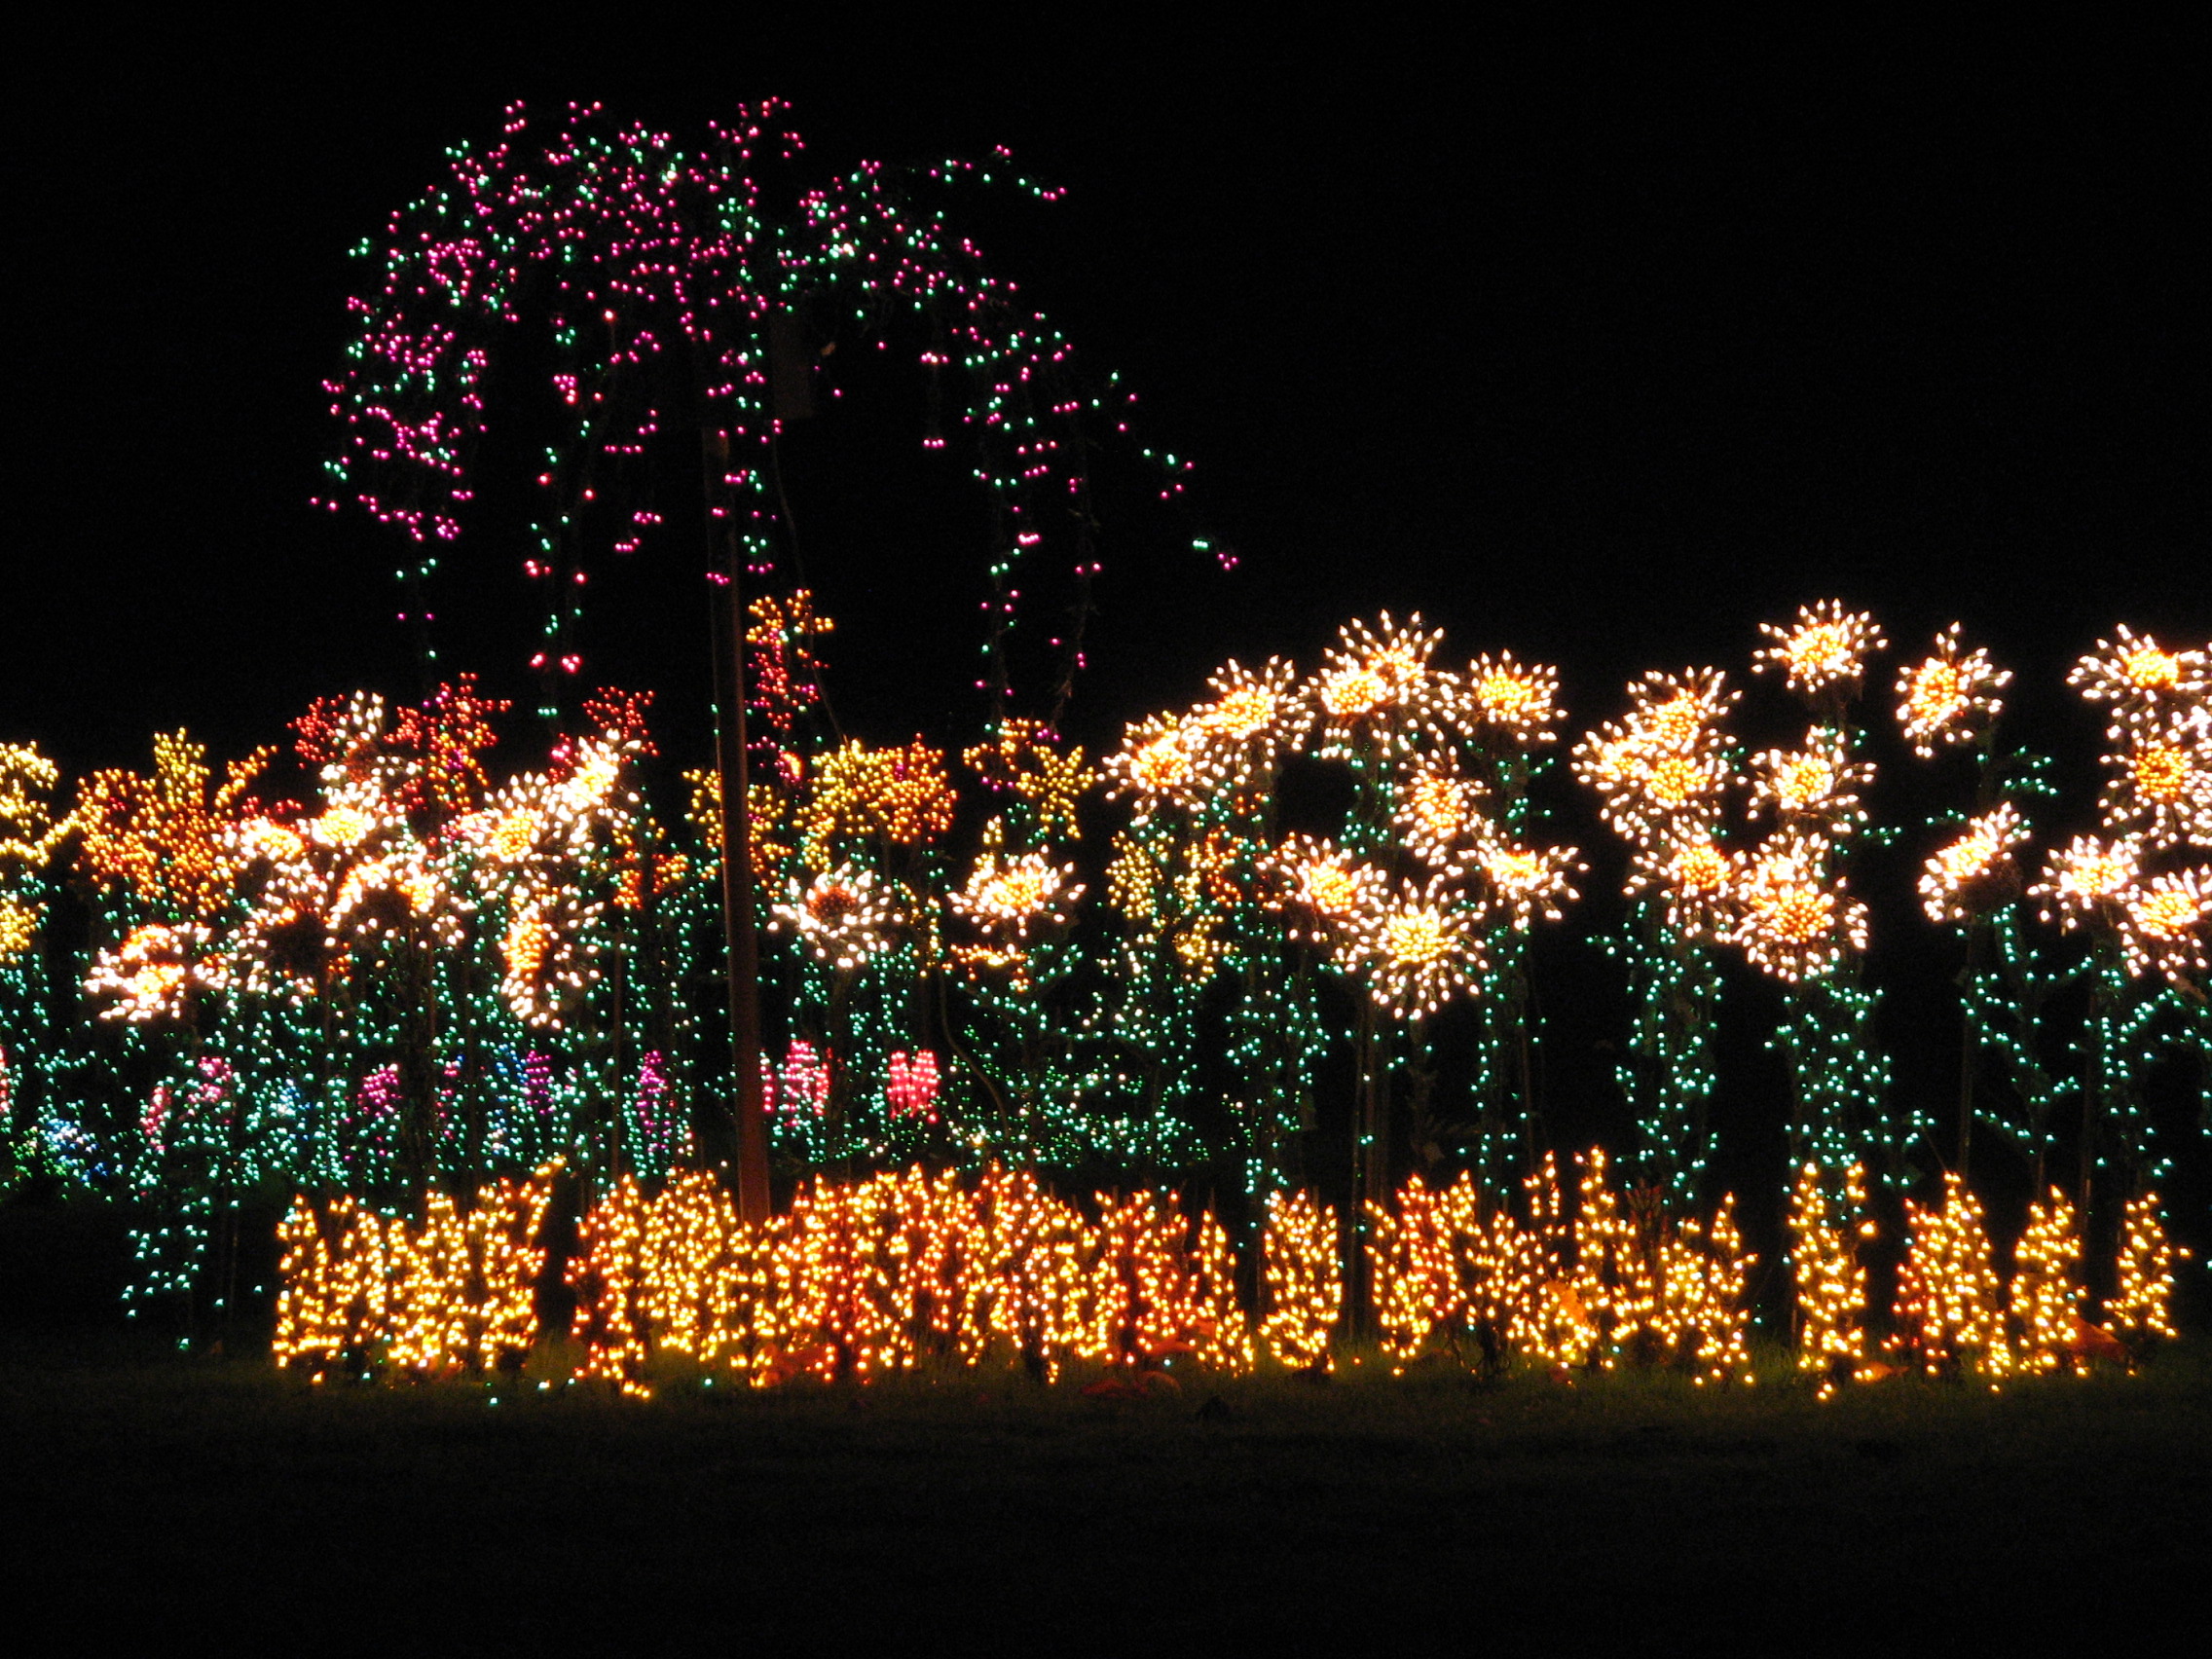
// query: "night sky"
[[1603, 348]]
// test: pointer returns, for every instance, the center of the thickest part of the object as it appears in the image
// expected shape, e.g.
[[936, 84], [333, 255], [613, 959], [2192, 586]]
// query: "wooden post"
[[743, 960]]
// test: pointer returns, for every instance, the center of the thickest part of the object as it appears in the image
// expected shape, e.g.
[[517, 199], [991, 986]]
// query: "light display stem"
[[1670, 1070], [742, 958]]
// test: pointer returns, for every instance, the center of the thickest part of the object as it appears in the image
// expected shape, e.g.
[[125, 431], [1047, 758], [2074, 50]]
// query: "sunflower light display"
[[1796, 917], [2136, 892], [1972, 883], [1664, 777], [1201, 962]]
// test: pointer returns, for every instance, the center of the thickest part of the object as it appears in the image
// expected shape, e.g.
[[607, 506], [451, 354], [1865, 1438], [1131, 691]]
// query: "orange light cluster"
[[1794, 921], [870, 1278], [1951, 1308], [1830, 1281], [900, 796], [2143, 1305], [162, 834], [2046, 1290], [451, 1292], [1304, 1261], [1623, 1282]]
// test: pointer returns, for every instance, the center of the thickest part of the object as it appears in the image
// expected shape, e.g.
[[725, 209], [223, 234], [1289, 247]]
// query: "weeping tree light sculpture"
[[672, 302]]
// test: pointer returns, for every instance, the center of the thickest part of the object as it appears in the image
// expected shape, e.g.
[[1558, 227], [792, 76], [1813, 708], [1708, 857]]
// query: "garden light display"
[[423, 975]]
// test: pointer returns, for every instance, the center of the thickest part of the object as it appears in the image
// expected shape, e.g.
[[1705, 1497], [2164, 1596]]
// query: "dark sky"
[[1600, 348]]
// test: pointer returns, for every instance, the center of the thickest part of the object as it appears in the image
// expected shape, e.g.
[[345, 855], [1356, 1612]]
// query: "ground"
[[204, 1492]]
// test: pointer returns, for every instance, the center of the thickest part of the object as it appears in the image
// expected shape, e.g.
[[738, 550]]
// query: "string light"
[[627, 250], [378, 1292]]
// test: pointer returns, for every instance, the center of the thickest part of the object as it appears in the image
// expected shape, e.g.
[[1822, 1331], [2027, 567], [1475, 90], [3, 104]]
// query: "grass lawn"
[[981, 1510]]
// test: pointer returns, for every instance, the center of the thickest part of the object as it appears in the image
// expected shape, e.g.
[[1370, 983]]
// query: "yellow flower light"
[[1949, 697], [2162, 783], [1793, 921], [1257, 715], [2165, 923], [2088, 879], [2137, 676], [155, 973], [1161, 760], [1518, 700], [1327, 884], [1665, 765], [1695, 878], [1527, 882], [1816, 785], [896, 795], [1417, 949], [1438, 814], [1009, 898], [1975, 869], [1826, 647], [1377, 685], [843, 916]]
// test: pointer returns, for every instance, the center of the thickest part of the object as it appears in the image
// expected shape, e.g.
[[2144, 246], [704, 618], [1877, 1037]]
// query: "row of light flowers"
[[1418, 901]]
